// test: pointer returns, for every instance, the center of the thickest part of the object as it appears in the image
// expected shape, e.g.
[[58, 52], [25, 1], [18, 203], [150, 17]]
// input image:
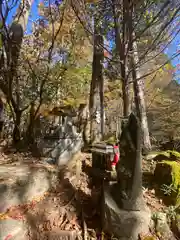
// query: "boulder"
[[123, 224], [168, 173], [162, 228], [170, 155], [13, 229], [25, 182]]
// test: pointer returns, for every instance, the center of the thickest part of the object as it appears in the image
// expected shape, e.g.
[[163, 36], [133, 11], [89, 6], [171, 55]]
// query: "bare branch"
[[158, 68]]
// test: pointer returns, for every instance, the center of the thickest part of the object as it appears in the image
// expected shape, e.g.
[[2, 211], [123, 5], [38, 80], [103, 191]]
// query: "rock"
[[15, 229], [168, 173], [177, 220], [167, 155], [62, 144], [151, 155], [23, 183], [64, 235], [162, 228], [124, 224], [50, 161]]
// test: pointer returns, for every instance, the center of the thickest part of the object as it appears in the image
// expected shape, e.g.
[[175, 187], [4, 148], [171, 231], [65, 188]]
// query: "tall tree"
[[96, 89], [138, 86], [134, 22], [12, 40], [120, 12]]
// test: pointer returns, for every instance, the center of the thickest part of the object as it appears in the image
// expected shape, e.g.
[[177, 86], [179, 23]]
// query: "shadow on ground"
[[68, 205]]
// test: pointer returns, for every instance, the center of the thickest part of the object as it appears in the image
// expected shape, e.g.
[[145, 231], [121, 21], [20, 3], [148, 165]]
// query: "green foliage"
[[42, 80], [76, 82], [167, 190], [110, 139], [42, 77], [171, 213]]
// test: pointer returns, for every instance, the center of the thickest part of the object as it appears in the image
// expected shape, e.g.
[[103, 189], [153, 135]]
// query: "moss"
[[175, 173], [175, 177], [149, 238], [110, 139], [174, 153], [167, 155], [178, 222]]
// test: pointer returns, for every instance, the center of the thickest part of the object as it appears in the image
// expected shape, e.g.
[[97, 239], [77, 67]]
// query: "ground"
[[72, 204]]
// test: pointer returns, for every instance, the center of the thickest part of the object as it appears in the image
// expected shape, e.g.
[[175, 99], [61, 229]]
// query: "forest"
[[89, 119]]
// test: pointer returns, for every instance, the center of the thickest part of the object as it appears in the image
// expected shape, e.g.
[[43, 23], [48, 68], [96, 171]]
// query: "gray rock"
[[151, 156], [163, 228], [124, 224], [63, 235], [26, 184], [14, 228], [64, 145]]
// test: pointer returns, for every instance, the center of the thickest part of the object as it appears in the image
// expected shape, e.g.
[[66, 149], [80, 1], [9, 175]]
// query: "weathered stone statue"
[[125, 212], [129, 172]]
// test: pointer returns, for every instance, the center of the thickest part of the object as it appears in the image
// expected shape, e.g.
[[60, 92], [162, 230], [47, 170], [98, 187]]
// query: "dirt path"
[[60, 208]]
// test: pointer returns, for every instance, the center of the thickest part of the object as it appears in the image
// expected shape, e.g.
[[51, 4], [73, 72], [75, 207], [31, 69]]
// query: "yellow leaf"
[[3, 216]]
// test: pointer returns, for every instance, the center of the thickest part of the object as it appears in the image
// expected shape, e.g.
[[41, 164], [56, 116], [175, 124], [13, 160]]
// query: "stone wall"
[[62, 144]]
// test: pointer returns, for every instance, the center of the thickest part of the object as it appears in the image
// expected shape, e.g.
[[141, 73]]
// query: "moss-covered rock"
[[167, 155], [167, 173]]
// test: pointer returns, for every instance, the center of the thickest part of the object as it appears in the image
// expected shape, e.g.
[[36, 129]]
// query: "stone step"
[[18, 230], [61, 235], [12, 229], [23, 183]]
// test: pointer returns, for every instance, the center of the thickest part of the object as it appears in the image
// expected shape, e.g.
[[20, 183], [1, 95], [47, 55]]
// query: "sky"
[[172, 48], [33, 14]]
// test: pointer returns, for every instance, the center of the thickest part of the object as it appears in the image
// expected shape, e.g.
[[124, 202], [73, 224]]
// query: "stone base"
[[124, 225]]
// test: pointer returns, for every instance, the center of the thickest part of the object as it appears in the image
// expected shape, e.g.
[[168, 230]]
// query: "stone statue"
[[125, 212], [129, 172]]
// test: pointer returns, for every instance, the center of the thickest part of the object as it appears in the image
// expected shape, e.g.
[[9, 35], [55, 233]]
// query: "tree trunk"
[[138, 87], [17, 131], [1, 118], [101, 93], [120, 48], [16, 32], [95, 106], [30, 131]]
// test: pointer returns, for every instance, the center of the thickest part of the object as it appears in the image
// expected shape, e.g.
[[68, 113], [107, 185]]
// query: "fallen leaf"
[[3, 216]]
